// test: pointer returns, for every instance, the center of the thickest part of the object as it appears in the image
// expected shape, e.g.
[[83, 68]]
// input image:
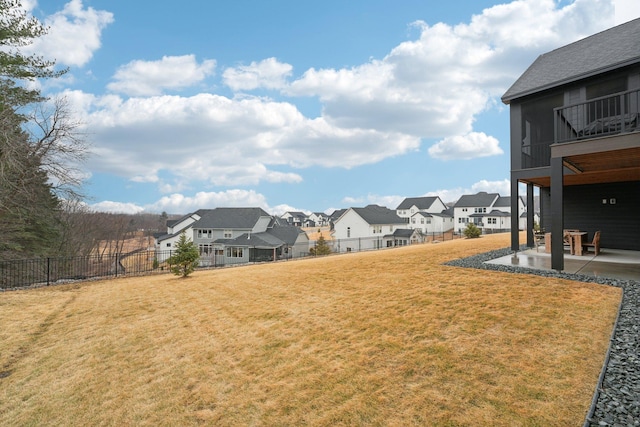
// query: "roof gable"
[[605, 51], [481, 199], [229, 218], [419, 202], [378, 215]]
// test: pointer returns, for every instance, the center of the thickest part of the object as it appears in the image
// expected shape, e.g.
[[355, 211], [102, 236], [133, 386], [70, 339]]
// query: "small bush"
[[472, 231]]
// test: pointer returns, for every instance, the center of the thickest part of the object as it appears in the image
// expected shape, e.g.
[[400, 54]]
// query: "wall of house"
[[584, 210]]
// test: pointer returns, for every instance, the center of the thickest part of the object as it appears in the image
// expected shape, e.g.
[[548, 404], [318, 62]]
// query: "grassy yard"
[[389, 338]]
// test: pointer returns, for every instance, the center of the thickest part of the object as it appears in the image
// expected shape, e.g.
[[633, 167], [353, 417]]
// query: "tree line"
[[42, 147]]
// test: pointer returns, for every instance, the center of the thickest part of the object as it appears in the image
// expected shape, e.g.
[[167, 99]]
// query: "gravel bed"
[[616, 400]]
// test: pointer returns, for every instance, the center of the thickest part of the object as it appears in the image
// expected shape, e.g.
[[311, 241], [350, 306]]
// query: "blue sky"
[[298, 105]]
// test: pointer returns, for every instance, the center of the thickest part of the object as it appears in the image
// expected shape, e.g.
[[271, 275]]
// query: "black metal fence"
[[24, 273]]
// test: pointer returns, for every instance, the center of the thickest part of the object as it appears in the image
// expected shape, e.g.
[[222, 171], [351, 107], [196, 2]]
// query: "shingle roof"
[[481, 199], [231, 218], [419, 202], [286, 233], [596, 54], [402, 232], [374, 214]]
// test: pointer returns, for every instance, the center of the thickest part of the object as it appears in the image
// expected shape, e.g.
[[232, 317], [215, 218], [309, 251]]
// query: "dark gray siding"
[[584, 210]]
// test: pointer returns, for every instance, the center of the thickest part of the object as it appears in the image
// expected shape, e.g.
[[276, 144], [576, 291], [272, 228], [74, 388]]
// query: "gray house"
[[234, 235], [574, 136]]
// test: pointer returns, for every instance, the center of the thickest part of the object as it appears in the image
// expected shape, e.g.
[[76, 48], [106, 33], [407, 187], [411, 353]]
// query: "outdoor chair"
[[595, 244], [538, 239]]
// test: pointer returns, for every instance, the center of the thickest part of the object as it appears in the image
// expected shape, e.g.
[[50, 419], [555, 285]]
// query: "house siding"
[[584, 210]]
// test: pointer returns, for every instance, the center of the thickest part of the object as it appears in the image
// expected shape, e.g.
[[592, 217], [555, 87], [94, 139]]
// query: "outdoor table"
[[575, 241]]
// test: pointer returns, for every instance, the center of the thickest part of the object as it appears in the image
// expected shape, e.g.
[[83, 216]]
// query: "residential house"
[[499, 219], [294, 218], [216, 233], [472, 208], [365, 228], [574, 117], [403, 237], [429, 215], [281, 241], [319, 219]]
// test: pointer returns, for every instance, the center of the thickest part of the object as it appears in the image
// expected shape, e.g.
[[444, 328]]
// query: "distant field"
[[389, 338]]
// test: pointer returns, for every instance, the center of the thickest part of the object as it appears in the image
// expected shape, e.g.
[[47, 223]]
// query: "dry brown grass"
[[380, 338]]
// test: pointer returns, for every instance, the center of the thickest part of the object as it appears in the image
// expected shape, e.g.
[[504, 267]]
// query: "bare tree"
[[60, 144]]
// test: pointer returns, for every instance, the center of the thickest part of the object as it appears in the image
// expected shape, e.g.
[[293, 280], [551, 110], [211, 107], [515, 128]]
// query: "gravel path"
[[616, 400]]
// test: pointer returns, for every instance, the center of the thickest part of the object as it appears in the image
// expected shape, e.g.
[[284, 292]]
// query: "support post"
[[557, 214]]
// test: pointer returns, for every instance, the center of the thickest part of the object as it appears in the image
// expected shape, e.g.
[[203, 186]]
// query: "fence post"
[[116, 266], [48, 270]]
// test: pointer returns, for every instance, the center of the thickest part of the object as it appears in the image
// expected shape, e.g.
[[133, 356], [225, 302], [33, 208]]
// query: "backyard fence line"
[[24, 273]]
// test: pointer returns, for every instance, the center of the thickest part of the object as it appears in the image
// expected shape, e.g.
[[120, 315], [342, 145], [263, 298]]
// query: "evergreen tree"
[[185, 259], [29, 205], [321, 248]]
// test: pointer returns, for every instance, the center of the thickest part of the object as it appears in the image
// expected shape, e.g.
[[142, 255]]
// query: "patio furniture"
[[538, 239], [595, 244]]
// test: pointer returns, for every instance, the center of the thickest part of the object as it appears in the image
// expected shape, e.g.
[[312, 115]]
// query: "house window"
[[377, 229], [348, 232], [421, 220], [428, 220], [168, 245], [204, 234], [235, 252], [205, 250], [413, 220], [218, 252], [228, 234]]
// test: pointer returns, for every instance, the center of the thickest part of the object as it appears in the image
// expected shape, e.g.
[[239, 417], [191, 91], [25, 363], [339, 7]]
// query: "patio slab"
[[611, 263]]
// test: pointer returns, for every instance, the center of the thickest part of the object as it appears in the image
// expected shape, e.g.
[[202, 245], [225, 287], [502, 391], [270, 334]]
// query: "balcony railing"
[[608, 115]]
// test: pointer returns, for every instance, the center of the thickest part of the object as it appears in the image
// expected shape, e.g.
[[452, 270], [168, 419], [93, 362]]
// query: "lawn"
[[389, 338]]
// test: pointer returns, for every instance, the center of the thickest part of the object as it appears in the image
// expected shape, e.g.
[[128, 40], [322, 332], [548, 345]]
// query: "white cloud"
[[469, 146], [116, 207], [435, 86], [269, 74], [453, 194], [74, 34], [179, 203], [145, 78], [626, 10], [222, 141]]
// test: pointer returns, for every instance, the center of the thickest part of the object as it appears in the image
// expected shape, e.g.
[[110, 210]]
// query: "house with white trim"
[[218, 234], [427, 214], [359, 229]]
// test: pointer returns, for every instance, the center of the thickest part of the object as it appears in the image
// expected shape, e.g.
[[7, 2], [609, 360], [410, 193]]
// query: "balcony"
[[605, 116]]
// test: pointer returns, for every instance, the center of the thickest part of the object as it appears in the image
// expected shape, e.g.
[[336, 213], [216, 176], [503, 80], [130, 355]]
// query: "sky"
[[295, 105]]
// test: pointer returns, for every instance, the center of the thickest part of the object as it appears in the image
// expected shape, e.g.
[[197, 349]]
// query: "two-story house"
[[472, 208], [426, 214], [371, 227], [574, 117], [216, 233]]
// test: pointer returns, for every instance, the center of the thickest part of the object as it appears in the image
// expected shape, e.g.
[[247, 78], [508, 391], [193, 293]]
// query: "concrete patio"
[[612, 263]]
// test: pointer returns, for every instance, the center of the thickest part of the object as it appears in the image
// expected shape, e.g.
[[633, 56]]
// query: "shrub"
[[472, 231]]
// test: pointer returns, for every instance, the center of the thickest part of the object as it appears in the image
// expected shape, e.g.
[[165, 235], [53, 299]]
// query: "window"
[[205, 250], [228, 234], [168, 245], [206, 234], [428, 220], [421, 220], [235, 252], [348, 232], [377, 229], [413, 220]]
